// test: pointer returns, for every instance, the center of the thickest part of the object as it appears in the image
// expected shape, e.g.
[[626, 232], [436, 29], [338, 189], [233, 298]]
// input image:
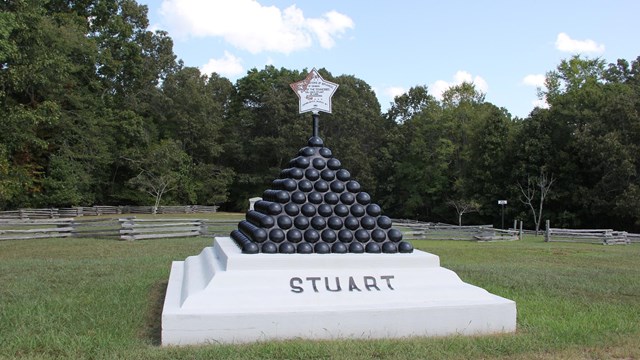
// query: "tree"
[[464, 206], [541, 184], [163, 168]]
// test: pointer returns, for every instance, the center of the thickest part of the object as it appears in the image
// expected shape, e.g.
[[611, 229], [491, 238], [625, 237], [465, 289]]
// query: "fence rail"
[[128, 228], [596, 236], [437, 231]]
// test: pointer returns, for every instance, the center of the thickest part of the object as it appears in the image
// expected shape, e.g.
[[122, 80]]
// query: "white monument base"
[[224, 296]]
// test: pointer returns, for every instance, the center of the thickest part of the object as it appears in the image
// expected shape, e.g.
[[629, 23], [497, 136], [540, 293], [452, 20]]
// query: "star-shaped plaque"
[[314, 93]]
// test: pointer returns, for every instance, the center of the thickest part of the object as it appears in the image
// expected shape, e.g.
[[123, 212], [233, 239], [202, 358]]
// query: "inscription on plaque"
[[314, 93], [337, 284]]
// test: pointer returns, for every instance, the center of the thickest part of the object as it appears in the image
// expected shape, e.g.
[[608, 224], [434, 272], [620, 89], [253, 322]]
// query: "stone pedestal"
[[224, 296]]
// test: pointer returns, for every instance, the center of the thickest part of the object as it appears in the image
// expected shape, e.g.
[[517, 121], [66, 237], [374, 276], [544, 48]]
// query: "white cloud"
[[394, 91], [440, 86], [536, 80], [566, 44], [333, 24], [228, 65], [248, 25]]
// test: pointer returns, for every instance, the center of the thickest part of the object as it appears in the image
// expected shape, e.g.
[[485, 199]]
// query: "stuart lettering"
[[294, 282], [366, 283]]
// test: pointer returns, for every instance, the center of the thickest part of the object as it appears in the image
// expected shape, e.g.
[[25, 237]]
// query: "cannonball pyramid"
[[315, 207]]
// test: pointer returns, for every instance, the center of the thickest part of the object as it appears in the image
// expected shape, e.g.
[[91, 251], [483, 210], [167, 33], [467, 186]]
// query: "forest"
[[97, 110]]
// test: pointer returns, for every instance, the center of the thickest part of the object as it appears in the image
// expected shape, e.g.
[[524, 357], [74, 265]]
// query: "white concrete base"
[[224, 296]]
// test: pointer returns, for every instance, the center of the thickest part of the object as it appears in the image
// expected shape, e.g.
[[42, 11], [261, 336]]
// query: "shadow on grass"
[[153, 322]]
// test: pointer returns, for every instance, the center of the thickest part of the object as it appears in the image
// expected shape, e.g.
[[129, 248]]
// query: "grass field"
[[89, 298]]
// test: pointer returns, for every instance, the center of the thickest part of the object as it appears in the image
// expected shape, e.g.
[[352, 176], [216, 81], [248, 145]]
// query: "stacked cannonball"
[[316, 207]]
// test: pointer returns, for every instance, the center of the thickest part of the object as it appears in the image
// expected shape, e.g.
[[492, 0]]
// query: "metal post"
[[316, 120], [502, 216]]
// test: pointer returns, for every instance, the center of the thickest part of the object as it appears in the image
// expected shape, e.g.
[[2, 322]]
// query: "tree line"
[[96, 109]]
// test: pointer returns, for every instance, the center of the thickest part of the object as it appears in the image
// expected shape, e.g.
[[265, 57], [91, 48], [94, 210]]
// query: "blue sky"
[[504, 47]]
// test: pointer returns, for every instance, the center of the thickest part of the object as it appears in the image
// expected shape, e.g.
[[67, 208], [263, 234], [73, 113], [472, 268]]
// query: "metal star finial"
[[314, 93]]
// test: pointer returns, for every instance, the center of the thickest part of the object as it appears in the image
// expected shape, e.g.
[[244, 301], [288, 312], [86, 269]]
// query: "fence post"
[[520, 232], [547, 234], [515, 224]]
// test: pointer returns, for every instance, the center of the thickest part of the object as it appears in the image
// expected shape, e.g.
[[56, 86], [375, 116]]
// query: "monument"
[[318, 259]]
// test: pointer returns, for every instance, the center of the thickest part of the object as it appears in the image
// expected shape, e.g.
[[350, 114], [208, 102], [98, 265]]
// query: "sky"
[[503, 47]]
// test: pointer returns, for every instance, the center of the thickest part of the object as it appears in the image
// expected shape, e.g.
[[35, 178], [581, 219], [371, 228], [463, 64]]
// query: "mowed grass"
[[90, 298]]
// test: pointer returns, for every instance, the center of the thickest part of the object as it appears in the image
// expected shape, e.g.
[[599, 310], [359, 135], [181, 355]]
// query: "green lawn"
[[89, 298]]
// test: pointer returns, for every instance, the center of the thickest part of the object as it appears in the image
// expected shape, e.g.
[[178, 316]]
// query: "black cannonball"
[[294, 173], [305, 248], [362, 235], [294, 235], [318, 222], [394, 235], [333, 164], [389, 248], [341, 210], [292, 209], [328, 175], [307, 151], [325, 210], [301, 222], [276, 235], [331, 198], [312, 174], [319, 163], [328, 235], [335, 222], [259, 235], [274, 208], [322, 248], [353, 186], [347, 198], [325, 152], [345, 236], [289, 184], [339, 248], [286, 248], [282, 196], [368, 222], [363, 198], [311, 236], [373, 248], [374, 209], [284, 222], [269, 248], [315, 197], [405, 247], [384, 222], [336, 186], [357, 210], [316, 142], [356, 248], [267, 221], [321, 186], [302, 162], [250, 248], [298, 197], [378, 235], [308, 210], [305, 185], [351, 223], [268, 207], [343, 175]]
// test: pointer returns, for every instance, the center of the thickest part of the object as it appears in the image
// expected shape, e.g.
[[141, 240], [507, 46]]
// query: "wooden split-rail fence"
[[597, 236], [439, 231], [127, 228]]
